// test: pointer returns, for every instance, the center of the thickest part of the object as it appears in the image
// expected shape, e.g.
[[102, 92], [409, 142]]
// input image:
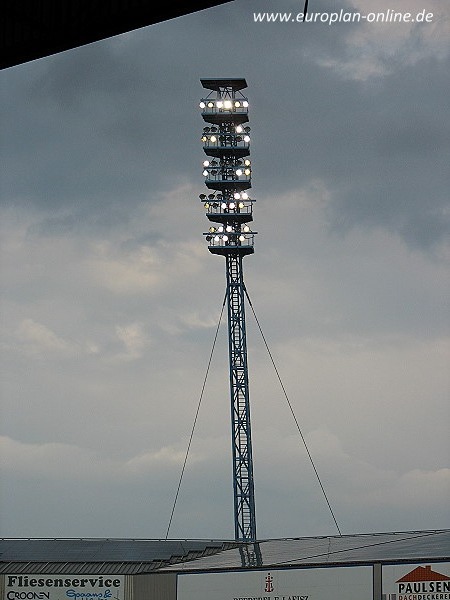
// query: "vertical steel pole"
[[244, 493]]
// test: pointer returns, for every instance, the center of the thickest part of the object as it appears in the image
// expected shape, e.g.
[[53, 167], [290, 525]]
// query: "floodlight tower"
[[227, 172]]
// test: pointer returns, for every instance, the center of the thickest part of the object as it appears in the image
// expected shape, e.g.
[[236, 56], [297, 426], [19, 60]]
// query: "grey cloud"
[[110, 298]]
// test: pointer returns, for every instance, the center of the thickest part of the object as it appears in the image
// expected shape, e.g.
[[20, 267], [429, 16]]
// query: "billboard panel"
[[64, 587], [332, 583], [414, 581]]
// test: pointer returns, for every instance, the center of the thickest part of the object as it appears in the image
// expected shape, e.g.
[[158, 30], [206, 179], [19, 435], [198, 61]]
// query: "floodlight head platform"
[[229, 172], [219, 84]]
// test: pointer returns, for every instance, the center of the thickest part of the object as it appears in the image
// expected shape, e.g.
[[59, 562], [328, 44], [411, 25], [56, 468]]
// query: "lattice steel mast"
[[227, 171]]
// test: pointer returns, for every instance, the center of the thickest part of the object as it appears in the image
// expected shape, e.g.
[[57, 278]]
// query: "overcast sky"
[[110, 298]]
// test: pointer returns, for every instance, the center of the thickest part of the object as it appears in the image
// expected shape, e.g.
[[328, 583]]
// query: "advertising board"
[[64, 587], [329, 583], [430, 581]]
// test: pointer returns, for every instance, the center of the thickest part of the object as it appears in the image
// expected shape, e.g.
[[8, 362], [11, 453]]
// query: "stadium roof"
[[413, 546], [137, 556], [30, 29], [112, 556]]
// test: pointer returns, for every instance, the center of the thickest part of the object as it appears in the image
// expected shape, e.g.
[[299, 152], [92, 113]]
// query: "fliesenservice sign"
[[64, 587], [348, 583]]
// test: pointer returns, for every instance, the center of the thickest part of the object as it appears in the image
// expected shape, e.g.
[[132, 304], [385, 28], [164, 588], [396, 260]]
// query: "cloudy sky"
[[110, 298]]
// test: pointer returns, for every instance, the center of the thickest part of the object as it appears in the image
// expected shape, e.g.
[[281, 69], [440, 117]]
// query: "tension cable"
[[292, 412], [196, 417]]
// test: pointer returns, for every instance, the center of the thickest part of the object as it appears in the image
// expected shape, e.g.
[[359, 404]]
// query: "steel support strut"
[[244, 494]]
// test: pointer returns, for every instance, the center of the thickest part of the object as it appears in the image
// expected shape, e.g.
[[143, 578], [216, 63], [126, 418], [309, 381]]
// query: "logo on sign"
[[269, 583]]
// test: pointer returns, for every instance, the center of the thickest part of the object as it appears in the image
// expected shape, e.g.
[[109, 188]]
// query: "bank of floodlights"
[[227, 169]]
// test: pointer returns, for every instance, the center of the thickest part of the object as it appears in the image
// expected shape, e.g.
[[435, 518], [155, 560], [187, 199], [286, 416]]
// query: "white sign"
[[332, 583], [429, 581], [64, 587]]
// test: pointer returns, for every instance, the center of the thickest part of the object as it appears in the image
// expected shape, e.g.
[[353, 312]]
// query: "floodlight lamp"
[[239, 172], [213, 139], [206, 205], [206, 163], [229, 228], [237, 104], [244, 196], [217, 238], [212, 229], [246, 139], [224, 205], [232, 205], [245, 104], [247, 163], [220, 229], [204, 138], [225, 238], [228, 104], [247, 171], [210, 104], [246, 228], [241, 205], [241, 238], [237, 195], [205, 173], [239, 129], [202, 105], [219, 104]]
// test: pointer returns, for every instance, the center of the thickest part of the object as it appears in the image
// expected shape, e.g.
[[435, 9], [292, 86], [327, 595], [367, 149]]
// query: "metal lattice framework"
[[227, 171]]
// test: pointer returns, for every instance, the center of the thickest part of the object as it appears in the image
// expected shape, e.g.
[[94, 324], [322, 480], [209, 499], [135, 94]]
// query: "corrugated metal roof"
[[133, 556], [348, 549], [112, 556]]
